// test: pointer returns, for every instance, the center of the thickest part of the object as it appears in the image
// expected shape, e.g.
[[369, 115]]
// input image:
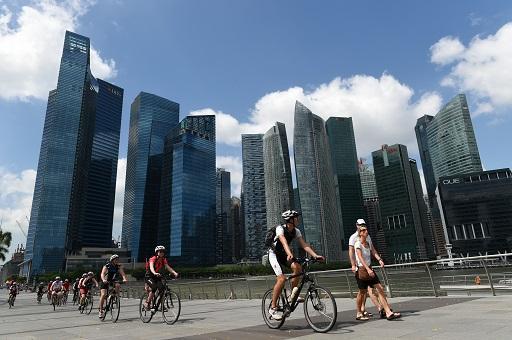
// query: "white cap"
[[360, 221]]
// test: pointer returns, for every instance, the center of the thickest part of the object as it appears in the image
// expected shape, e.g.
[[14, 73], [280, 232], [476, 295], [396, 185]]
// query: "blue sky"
[[382, 62]]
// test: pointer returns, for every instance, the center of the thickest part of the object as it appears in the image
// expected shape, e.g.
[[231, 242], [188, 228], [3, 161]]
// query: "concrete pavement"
[[423, 318]]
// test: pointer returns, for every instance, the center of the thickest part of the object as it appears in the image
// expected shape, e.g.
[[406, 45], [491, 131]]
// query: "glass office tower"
[[187, 223], [224, 226], [151, 119], [317, 184], [342, 144], [67, 178], [278, 174]]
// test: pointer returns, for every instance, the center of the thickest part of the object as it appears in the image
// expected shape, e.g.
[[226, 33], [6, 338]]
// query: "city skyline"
[[18, 161]]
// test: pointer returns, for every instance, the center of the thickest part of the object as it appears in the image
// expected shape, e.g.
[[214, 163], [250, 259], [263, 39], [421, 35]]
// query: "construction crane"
[[21, 228]]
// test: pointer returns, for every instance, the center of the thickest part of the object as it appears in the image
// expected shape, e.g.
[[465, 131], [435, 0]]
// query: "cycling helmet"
[[113, 257], [159, 248], [288, 214], [57, 278], [84, 275], [41, 283], [66, 280], [90, 273]]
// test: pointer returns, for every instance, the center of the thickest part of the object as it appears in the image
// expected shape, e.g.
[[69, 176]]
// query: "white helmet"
[[159, 248], [113, 257], [90, 273], [289, 214]]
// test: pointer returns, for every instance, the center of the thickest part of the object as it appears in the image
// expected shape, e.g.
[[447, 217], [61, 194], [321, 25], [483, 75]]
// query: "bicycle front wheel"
[[266, 303], [320, 309], [171, 307], [115, 308], [88, 305], [145, 313]]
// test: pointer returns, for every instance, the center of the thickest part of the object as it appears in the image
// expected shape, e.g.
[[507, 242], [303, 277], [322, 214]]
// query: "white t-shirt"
[[366, 252], [355, 236], [280, 231]]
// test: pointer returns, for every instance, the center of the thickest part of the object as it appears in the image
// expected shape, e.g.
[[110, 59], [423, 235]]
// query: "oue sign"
[[451, 181]]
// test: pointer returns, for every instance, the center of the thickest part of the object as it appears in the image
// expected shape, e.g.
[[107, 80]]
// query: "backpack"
[[269, 238]]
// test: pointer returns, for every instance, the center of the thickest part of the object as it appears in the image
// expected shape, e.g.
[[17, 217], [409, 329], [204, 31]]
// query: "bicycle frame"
[[290, 306]]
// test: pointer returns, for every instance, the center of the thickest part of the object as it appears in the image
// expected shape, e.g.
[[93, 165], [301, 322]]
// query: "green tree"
[[5, 243]]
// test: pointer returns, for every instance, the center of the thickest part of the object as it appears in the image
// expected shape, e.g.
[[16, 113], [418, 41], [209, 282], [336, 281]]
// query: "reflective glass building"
[[253, 196], [151, 119], [477, 212], [342, 144], [77, 163], [278, 174], [224, 226], [187, 222], [402, 208], [317, 184]]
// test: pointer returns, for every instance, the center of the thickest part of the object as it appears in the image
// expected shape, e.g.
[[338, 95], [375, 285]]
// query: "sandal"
[[382, 313], [362, 317], [393, 316], [367, 314]]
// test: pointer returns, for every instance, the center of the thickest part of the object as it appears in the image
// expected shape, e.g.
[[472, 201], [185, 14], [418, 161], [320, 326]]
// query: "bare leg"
[[278, 287], [361, 295]]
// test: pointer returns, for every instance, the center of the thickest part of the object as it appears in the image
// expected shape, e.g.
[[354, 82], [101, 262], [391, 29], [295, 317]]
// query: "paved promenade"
[[423, 318]]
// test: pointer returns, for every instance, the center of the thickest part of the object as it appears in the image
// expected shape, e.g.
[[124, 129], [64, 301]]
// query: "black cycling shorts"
[[155, 283]]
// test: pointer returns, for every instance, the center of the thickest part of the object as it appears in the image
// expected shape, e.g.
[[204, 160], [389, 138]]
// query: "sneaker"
[[275, 314], [300, 299], [101, 314]]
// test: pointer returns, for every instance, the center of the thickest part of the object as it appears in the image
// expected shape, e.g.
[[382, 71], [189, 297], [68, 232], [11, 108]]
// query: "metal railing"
[[427, 278]]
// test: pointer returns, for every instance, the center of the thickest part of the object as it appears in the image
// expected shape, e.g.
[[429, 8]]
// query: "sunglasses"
[[363, 229]]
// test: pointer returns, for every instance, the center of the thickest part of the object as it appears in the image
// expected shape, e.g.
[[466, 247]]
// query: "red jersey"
[[158, 263], [65, 285]]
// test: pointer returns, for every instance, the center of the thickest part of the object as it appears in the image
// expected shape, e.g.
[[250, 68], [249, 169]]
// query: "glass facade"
[[368, 185], [278, 174], [317, 184], [402, 209], [151, 119], [477, 212], [253, 198], [238, 231], [342, 144], [66, 179], [187, 222], [224, 227]]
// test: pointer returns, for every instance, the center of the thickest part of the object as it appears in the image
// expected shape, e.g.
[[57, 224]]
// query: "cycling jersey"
[[158, 264], [65, 285], [112, 271], [57, 285]]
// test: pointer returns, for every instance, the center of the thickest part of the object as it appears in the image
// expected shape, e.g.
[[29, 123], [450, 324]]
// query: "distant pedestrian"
[[477, 280], [366, 277], [361, 303]]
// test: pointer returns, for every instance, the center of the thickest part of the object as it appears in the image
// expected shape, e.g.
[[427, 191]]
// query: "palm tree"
[[5, 243]]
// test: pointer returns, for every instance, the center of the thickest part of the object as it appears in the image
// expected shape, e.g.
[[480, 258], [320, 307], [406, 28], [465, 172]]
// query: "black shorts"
[[155, 283], [107, 285], [361, 284]]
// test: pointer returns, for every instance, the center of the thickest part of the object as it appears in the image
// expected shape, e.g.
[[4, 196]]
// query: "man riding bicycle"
[[86, 284], [14, 289], [40, 291], [109, 276], [153, 276], [280, 255], [76, 289], [56, 289]]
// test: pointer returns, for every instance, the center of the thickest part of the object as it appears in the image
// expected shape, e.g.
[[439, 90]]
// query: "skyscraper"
[[368, 185], [77, 163], [238, 231], [278, 174], [187, 223], [253, 198], [342, 144], [151, 119], [316, 184], [224, 227], [426, 163], [403, 210]]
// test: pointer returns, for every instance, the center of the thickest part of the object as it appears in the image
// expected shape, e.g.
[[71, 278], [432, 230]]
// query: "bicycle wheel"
[[10, 302], [115, 307], [320, 309], [266, 303], [171, 307], [54, 301], [145, 315], [88, 305]]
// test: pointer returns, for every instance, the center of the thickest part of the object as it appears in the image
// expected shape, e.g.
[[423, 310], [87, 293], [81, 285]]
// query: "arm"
[[152, 269], [307, 248], [377, 256], [351, 255], [170, 270], [286, 248], [103, 275], [361, 259], [123, 275], [96, 282]]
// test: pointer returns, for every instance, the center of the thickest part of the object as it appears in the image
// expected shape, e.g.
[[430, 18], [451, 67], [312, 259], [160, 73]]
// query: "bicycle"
[[168, 301], [56, 300], [113, 304], [86, 305], [64, 298], [319, 305], [76, 295], [11, 299], [39, 297]]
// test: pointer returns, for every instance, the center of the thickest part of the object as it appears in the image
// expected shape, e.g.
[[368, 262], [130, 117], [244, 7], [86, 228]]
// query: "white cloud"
[[446, 50], [31, 47], [234, 166], [383, 111], [16, 191], [119, 203], [483, 68]]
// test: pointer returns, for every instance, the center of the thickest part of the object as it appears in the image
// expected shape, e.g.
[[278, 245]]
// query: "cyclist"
[[49, 291], [57, 289], [66, 286], [153, 276], [76, 289], [14, 289], [40, 291], [109, 276], [86, 284], [280, 255]]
